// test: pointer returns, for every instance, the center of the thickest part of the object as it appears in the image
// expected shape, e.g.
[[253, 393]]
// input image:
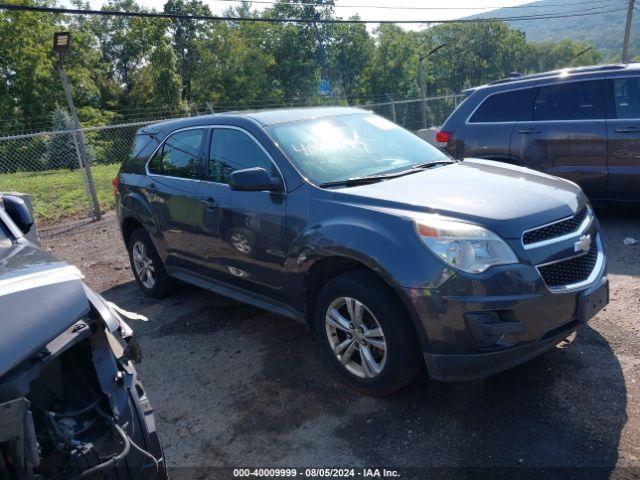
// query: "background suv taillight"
[[114, 182], [443, 137]]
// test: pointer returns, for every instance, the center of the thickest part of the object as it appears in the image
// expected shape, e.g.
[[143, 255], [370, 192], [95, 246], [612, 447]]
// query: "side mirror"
[[19, 212], [254, 180]]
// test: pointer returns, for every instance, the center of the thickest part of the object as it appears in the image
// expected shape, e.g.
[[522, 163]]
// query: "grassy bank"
[[57, 194]]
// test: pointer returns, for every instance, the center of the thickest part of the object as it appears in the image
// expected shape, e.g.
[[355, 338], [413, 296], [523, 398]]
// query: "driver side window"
[[233, 150]]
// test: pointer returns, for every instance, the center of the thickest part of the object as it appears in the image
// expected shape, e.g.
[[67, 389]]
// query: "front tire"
[[365, 333], [147, 267]]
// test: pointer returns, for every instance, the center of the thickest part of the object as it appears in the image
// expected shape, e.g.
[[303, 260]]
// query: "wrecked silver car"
[[71, 404]]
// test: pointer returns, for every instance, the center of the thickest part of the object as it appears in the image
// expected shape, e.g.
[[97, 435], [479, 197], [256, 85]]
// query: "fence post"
[[81, 149], [393, 107]]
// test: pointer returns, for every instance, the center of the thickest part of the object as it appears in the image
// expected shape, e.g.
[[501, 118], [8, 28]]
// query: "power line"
[[388, 7], [175, 16]]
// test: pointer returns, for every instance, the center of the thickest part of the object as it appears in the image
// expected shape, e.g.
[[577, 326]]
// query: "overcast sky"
[[346, 8]]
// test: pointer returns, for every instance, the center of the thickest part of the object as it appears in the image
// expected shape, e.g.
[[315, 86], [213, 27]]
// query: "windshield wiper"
[[432, 164], [353, 181], [378, 177]]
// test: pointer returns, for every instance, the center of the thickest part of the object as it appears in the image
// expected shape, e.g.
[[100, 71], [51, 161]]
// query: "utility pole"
[[423, 88], [61, 44], [627, 33]]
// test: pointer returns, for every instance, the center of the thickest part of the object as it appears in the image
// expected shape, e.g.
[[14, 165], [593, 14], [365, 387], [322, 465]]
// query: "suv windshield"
[[333, 149]]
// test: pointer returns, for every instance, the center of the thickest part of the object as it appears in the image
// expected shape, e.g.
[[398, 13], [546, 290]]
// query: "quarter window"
[[179, 155], [505, 107], [570, 101], [627, 97], [233, 150]]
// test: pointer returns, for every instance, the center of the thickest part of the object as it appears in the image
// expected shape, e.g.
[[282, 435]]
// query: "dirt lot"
[[235, 386]]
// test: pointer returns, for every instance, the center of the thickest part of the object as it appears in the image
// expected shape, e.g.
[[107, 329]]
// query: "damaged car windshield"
[[338, 148]]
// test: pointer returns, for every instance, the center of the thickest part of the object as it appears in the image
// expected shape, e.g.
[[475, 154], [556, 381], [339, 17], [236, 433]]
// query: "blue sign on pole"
[[324, 88]]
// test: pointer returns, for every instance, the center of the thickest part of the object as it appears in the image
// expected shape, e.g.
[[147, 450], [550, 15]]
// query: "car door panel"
[[567, 135], [171, 189], [623, 133], [575, 151], [243, 232]]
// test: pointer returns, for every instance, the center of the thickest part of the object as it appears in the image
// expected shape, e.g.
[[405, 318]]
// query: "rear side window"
[[570, 101], [505, 107], [233, 150], [179, 155], [627, 97]]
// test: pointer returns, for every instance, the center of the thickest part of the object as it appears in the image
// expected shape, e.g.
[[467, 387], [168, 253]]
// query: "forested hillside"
[[123, 68], [602, 30]]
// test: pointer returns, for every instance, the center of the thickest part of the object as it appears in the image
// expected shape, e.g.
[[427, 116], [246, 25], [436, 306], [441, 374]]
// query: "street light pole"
[[423, 88], [61, 44]]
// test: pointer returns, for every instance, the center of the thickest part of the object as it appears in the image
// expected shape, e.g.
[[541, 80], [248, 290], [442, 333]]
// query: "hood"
[[40, 297], [505, 198]]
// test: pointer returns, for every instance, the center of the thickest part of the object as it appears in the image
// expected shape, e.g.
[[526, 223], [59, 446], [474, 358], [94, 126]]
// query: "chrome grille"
[[556, 229]]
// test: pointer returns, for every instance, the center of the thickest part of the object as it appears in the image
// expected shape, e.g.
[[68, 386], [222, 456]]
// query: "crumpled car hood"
[[40, 297]]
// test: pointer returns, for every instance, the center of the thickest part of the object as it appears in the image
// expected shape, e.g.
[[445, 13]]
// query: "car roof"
[[262, 117], [564, 73]]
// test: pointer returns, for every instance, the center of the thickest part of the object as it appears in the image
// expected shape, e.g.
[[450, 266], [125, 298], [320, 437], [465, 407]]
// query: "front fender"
[[393, 251], [388, 246]]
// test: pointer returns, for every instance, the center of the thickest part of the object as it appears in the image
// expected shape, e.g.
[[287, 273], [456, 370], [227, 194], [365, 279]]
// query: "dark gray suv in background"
[[582, 124], [390, 251]]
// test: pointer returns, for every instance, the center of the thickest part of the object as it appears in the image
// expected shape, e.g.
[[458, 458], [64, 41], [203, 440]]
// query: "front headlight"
[[467, 247]]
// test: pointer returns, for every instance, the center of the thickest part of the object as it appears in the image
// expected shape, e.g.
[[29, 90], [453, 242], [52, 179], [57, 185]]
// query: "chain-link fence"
[[49, 166], [409, 113]]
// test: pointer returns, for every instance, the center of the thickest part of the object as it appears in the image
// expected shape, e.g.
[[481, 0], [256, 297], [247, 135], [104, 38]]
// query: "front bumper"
[[456, 368], [515, 296]]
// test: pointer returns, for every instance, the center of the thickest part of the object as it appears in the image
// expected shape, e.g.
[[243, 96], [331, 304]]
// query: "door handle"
[[152, 189], [628, 130], [526, 131], [210, 204]]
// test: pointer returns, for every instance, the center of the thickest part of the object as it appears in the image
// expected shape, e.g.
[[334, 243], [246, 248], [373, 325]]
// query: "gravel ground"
[[235, 386]]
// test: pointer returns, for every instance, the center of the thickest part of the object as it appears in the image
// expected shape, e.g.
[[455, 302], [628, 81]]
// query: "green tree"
[[125, 43], [300, 49], [350, 51], [186, 38], [157, 85], [545, 56], [236, 68], [61, 148], [394, 65], [29, 89], [476, 53]]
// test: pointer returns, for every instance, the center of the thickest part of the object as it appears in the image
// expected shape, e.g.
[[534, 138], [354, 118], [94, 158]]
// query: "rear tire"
[[147, 267], [366, 334]]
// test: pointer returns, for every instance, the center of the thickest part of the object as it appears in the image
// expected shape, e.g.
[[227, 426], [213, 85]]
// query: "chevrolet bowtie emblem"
[[583, 245]]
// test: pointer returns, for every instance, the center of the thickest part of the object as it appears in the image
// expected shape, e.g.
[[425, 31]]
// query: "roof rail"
[[514, 77]]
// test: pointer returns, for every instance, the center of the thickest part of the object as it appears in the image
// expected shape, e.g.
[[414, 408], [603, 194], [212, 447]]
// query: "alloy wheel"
[[356, 337], [143, 264]]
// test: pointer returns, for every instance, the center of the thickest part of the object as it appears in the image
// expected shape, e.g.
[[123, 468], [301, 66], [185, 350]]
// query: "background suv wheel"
[[147, 267], [366, 334]]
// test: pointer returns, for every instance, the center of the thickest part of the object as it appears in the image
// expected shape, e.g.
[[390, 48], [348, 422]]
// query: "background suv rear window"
[[505, 107], [570, 101]]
